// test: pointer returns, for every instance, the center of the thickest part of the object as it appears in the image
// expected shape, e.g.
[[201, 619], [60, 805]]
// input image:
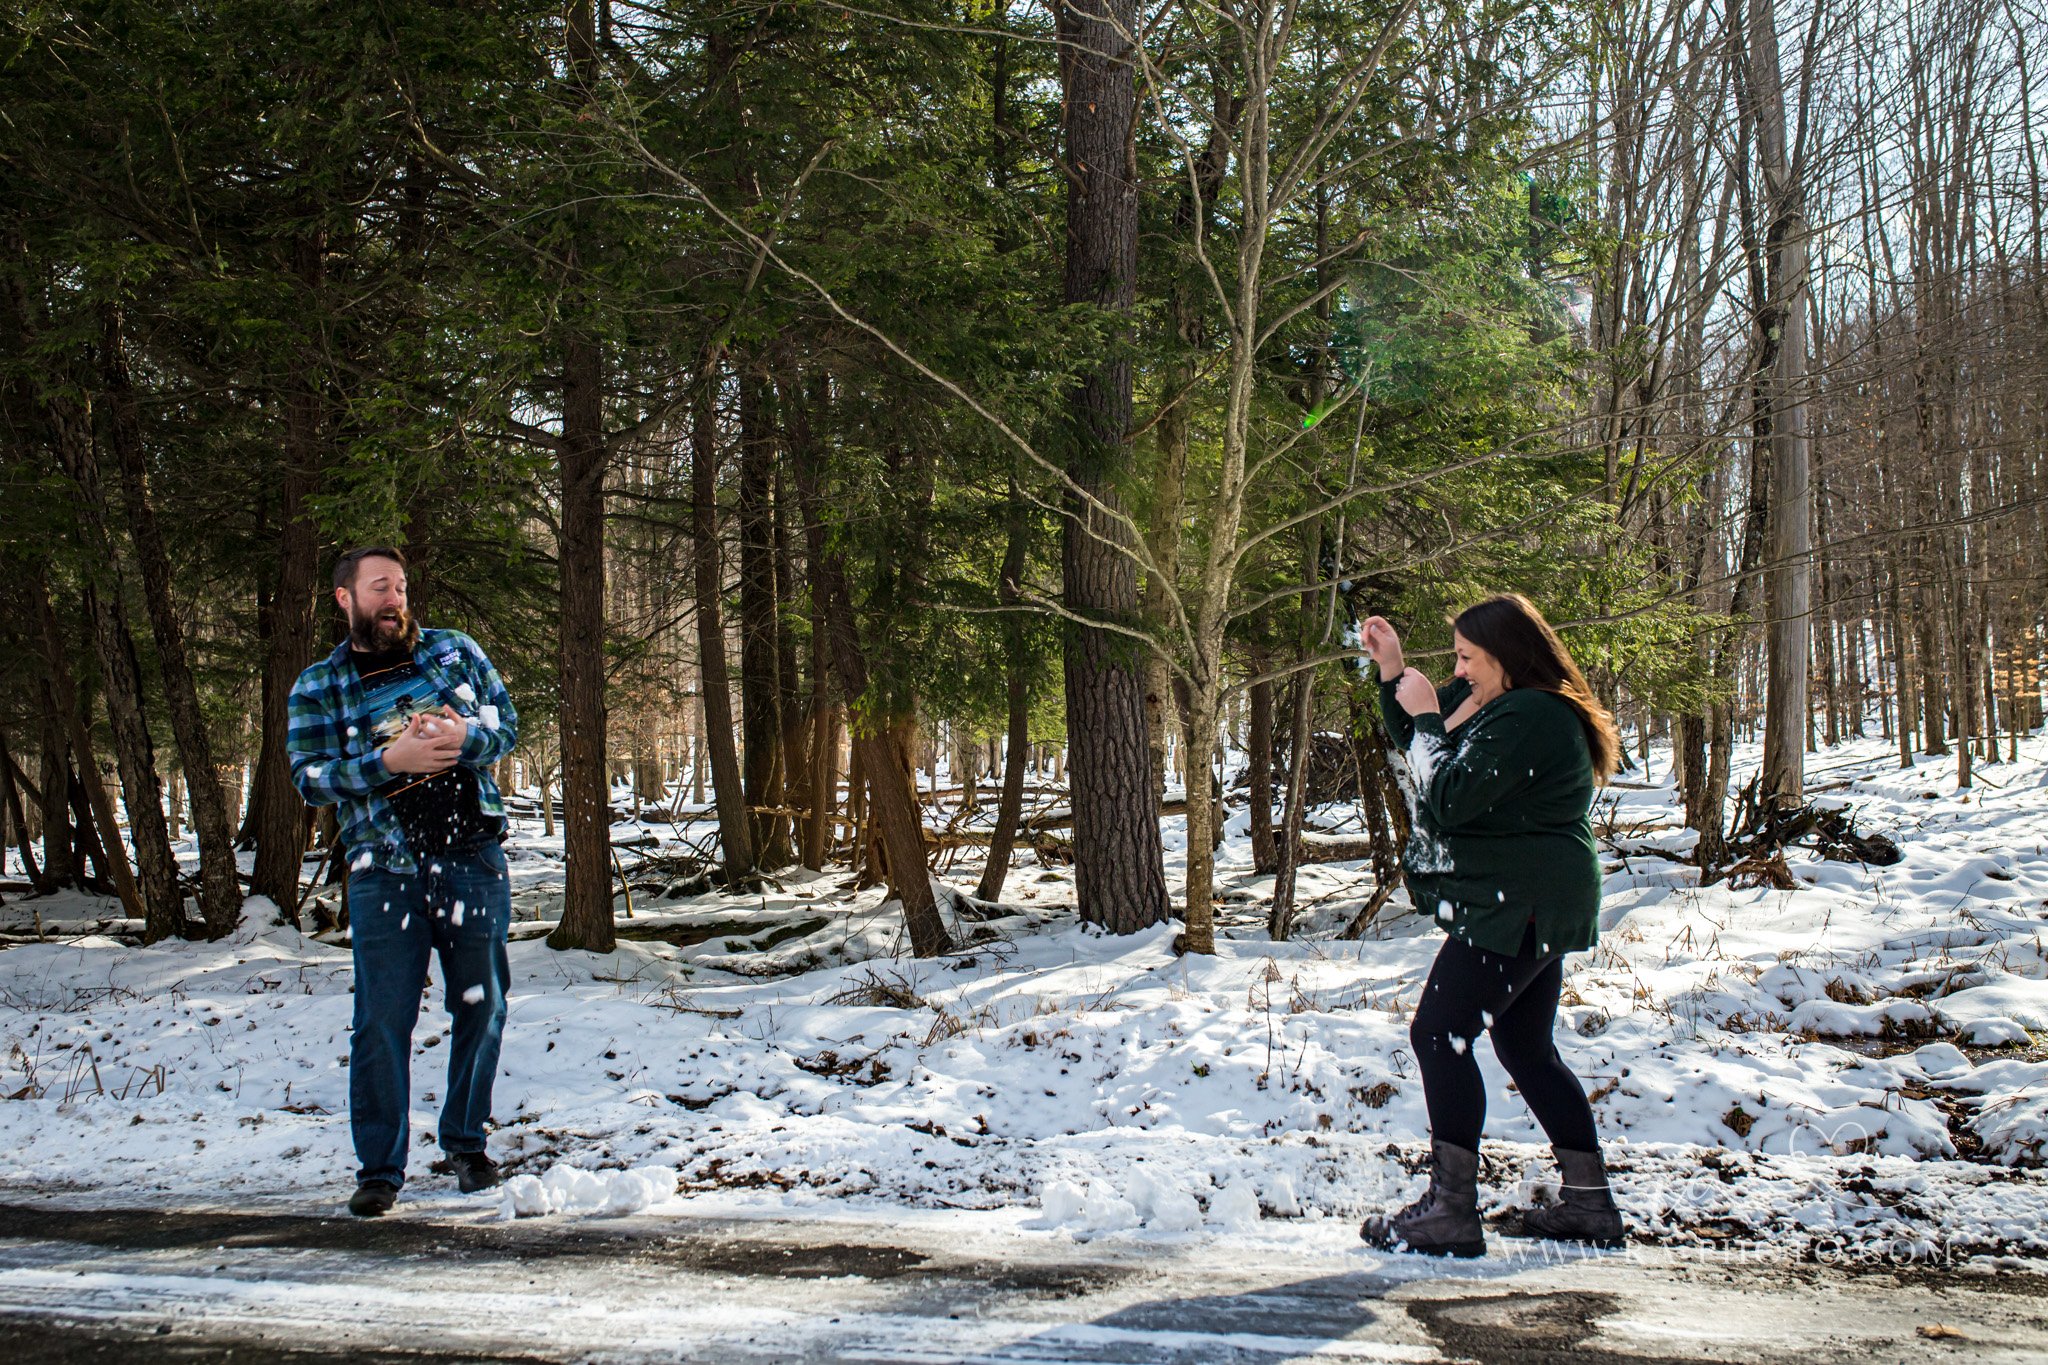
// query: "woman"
[[1505, 759]]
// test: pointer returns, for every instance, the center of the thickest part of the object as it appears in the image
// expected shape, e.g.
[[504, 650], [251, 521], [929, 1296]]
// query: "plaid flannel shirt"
[[336, 760]]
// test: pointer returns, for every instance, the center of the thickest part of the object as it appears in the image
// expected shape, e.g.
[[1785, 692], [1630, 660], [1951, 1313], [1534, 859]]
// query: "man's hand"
[[450, 722], [429, 744], [1416, 693], [1383, 642]]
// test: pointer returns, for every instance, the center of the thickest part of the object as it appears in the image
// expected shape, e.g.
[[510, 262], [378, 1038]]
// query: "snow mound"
[[571, 1189]]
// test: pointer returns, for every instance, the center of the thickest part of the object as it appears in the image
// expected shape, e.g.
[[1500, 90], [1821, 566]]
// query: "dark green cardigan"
[[1502, 833]]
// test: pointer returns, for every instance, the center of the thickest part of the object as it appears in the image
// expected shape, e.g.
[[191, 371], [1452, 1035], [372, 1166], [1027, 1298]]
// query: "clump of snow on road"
[[1859, 1060], [571, 1189]]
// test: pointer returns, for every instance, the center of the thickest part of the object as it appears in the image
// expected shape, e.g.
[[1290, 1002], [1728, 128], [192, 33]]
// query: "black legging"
[[1514, 1001]]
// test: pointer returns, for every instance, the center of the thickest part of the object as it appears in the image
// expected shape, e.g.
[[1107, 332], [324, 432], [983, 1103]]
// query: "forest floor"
[[1846, 1076]]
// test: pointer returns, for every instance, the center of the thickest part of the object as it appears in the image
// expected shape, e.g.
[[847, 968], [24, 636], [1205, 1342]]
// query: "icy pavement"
[[441, 1284]]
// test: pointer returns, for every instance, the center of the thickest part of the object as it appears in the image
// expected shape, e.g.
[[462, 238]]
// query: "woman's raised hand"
[[1383, 642], [1416, 693]]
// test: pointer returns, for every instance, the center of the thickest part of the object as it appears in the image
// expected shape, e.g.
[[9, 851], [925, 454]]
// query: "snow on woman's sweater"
[[1502, 834]]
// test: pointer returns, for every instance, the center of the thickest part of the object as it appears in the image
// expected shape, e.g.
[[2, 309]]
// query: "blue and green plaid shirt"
[[337, 761]]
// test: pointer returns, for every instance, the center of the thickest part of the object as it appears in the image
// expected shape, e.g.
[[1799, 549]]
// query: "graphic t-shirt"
[[438, 811]]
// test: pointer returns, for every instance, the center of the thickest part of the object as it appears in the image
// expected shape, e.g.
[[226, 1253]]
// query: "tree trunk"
[[60, 869], [1119, 869], [799, 716], [824, 758], [735, 826], [1782, 326], [586, 783], [1265, 852], [1010, 805], [220, 888], [760, 684], [17, 820], [277, 811], [881, 742], [1300, 749]]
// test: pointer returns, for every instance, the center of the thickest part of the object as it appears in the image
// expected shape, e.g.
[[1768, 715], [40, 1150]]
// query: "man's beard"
[[379, 634]]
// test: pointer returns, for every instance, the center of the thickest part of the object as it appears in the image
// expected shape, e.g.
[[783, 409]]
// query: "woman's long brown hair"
[[1509, 627]]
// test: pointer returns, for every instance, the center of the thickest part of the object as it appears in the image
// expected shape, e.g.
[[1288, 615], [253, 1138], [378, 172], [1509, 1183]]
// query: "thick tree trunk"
[[1781, 326], [735, 826], [586, 781], [220, 888], [1119, 870], [278, 812]]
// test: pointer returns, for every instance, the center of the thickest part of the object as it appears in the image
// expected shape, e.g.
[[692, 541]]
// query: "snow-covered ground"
[[1857, 1067]]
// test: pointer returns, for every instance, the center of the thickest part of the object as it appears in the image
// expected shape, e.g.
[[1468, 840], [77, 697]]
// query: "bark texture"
[[1119, 872]]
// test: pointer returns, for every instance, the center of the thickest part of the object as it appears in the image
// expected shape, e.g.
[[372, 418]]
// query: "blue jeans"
[[458, 905]]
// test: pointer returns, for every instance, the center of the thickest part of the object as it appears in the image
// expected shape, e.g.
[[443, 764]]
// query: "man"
[[400, 727]]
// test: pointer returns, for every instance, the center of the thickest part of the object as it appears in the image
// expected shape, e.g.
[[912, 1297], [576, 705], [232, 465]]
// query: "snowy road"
[[442, 1285]]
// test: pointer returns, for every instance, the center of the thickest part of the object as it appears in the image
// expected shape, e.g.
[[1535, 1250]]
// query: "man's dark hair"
[[345, 567]]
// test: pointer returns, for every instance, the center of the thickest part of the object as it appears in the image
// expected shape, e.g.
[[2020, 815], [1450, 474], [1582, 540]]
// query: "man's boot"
[[373, 1199], [474, 1171], [1586, 1212], [1445, 1220]]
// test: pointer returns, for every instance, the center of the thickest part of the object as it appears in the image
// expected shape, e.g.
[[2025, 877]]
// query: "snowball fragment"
[[1458, 1045], [458, 914], [1446, 912], [473, 996], [569, 1189], [464, 692], [487, 716]]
